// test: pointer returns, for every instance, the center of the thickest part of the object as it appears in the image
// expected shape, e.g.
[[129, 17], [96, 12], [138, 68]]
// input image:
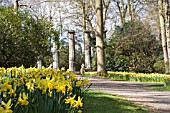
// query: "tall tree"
[[86, 39], [99, 37], [163, 35], [167, 20]]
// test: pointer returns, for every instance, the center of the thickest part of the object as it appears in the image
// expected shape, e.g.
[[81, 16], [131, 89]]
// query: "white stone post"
[[39, 64], [55, 52], [87, 49], [71, 50]]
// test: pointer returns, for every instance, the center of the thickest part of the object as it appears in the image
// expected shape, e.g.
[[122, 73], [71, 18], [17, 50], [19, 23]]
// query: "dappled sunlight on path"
[[157, 101]]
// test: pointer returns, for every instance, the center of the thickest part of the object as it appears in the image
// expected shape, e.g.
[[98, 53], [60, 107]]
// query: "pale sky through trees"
[[63, 12]]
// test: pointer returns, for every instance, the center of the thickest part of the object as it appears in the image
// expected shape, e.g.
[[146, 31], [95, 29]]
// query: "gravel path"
[[157, 101]]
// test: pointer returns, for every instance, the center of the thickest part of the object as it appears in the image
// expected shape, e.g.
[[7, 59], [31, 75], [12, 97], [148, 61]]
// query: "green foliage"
[[23, 38], [167, 84], [47, 60], [159, 65], [79, 58], [132, 47], [64, 59]]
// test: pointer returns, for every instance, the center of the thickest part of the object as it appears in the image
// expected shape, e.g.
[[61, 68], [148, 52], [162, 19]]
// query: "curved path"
[[157, 101]]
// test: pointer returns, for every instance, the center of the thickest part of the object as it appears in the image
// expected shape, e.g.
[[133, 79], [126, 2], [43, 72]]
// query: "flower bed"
[[140, 77], [43, 90]]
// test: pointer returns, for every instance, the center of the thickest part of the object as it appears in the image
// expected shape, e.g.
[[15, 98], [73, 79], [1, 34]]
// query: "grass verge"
[[98, 102], [157, 88]]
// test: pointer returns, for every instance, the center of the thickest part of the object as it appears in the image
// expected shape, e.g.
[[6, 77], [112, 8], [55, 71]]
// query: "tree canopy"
[[24, 38], [132, 47]]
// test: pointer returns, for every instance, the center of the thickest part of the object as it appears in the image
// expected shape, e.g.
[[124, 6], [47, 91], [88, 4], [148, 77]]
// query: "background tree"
[[133, 48], [23, 38], [163, 34], [167, 27], [99, 37]]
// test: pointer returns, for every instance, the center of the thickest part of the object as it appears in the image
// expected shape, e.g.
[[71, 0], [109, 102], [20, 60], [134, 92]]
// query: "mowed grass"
[[157, 88], [98, 102]]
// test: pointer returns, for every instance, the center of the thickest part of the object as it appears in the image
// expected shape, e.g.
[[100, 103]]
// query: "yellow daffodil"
[[23, 100], [70, 101], [2, 70], [30, 86], [50, 86], [5, 85], [62, 89], [86, 81], [79, 111], [63, 69], [12, 91], [79, 83], [70, 88], [58, 70], [32, 79], [72, 76], [4, 94], [7, 107], [78, 103]]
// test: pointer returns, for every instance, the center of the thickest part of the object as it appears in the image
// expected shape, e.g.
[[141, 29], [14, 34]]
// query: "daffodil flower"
[[86, 81], [62, 89], [5, 85], [78, 103], [23, 100], [79, 83], [7, 107], [30, 86], [70, 101], [63, 69], [50, 85], [79, 111], [12, 92]]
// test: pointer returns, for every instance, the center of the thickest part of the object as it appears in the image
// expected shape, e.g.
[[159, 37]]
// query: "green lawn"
[[98, 102], [157, 88]]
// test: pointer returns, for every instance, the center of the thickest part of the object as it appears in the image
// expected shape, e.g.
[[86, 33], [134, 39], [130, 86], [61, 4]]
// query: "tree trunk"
[[163, 35], [99, 37], [86, 38], [167, 18]]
